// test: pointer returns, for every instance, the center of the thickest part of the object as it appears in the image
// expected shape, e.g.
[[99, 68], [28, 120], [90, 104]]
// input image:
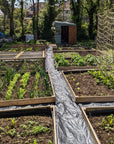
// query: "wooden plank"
[[18, 55], [99, 108], [95, 138], [72, 34], [43, 53], [78, 50], [8, 54], [94, 99], [85, 99], [54, 121], [27, 101], [76, 68], [69, 85]]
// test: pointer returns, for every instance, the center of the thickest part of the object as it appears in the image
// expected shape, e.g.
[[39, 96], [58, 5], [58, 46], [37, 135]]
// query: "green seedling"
[[39, 129], [11, 132]]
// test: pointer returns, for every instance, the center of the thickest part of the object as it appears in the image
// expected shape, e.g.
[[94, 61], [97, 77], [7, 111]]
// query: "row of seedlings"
[[89, 84], [25, 82]]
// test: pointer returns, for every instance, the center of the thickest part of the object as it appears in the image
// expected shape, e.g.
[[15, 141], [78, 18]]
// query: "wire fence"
[[105, 33]]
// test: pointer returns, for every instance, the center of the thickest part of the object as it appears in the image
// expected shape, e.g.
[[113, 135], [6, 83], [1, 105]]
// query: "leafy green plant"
[[50, 142], [79, 60], [13, 122], [102, 76], [63, 62], [11, 132], [21, 93], [58, 57], [108, 123], [37, 76], [11, 86], [24, 79], [34, 141], [91, 60], [39, 129], [29, 49], [23, 126]]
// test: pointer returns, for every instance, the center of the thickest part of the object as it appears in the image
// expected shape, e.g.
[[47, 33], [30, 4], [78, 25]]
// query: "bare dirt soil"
[[84, 84]]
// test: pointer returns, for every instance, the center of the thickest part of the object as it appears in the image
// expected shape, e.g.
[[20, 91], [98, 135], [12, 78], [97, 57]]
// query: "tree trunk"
[[11, 19], [90, 27], [34, 22], [37, 20], [4, 23], [22, 18]]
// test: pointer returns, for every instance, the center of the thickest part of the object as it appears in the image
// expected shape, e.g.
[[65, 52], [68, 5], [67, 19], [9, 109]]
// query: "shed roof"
[[63, 23]]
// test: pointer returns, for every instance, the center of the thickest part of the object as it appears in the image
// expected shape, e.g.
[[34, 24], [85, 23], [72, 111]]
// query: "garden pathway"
[[71, 127]]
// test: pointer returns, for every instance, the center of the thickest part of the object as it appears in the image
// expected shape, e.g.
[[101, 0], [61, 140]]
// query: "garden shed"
[[65, 32]]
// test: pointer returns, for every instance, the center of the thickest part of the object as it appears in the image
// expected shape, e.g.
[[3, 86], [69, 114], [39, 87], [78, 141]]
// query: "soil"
[[105, 136], [84, 84], [24, 126]]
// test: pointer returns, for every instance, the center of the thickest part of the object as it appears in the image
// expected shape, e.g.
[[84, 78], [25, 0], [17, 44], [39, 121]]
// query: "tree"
[[76, 8], [49, 18], [37, 19], [90, 6], [22, 18]]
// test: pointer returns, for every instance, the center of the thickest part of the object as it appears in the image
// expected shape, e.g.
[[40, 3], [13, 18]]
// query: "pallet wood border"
[[90, 109], [52, 109], [30, 101], [87, 99]]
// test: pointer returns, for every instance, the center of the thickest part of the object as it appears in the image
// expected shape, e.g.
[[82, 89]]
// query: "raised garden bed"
[[28, 125], [100, 121], [21, 55], [92, 86], [26, 47], [72, 61], [25, 82]]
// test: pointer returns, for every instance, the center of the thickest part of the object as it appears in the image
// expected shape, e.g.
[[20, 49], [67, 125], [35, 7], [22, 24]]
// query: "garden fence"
[[105, 33]]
